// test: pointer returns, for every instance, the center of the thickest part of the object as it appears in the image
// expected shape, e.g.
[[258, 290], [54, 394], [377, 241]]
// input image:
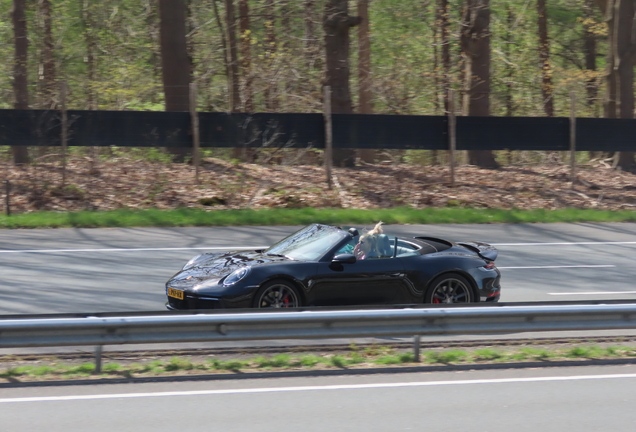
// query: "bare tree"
[[623, 44], [476, 52], [589, 48], [175, 65], [365, 95], [337, 23], [619, 93], [443, 23], [233, 71], [47, 74], [544, 60], [246, 55], [271, 100], [310, 39], [508, 43], [20, 88]]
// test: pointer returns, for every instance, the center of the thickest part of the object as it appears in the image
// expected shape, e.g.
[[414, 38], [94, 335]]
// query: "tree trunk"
[[88, 26], [609, 102], [624, 70], [285, 21], [509, 41], [443, 22], [47, 78], [476, 52], [365, 95], [175, 64], [271, 100], [153, 34], [589, 48], [310, 39], [544, 60], [246, 55], [233, 76], [20, 88], [337, 23]]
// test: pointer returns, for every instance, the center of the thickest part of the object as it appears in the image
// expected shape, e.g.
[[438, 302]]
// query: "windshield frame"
[[327, 254]]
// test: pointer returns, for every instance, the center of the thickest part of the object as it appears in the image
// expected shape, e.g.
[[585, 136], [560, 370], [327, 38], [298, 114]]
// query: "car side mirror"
[[344, 259]]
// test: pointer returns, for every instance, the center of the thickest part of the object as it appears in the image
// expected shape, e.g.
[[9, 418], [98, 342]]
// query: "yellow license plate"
[[175, 293]]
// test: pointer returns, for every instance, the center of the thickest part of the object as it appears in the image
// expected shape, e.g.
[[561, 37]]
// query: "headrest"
[[384, 246]]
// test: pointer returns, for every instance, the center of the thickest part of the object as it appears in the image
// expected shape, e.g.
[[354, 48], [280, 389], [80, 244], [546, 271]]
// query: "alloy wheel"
[[278, 296], [451, 291]]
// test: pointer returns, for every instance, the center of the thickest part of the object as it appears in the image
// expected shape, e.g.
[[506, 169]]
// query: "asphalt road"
[[556, 399], [108, 270]]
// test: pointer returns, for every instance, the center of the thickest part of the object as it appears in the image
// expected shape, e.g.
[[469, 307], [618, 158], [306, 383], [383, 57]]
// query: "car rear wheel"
[[449, 288], [277, 294]]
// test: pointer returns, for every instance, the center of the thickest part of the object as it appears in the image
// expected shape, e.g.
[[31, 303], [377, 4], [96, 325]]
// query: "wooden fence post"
[[452, 134], [572, 138], [328, 135], [7, 189], [64, 129], [194, 116]]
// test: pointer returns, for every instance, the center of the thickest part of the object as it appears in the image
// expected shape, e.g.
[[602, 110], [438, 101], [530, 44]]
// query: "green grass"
[[375, 355], [196, 217]]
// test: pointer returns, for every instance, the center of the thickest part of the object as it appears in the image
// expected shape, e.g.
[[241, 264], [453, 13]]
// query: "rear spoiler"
[[484, 250]]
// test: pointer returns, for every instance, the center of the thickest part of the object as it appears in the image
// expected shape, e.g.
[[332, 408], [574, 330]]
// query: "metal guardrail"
[[312, 324]]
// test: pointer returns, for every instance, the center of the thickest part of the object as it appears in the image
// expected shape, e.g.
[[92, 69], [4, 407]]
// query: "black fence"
[[370, 131]]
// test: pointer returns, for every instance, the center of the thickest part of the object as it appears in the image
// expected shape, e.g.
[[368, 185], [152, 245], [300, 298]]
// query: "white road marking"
[[566, 243], [228, 248], [313, 388], [594, 293], [559, 267]]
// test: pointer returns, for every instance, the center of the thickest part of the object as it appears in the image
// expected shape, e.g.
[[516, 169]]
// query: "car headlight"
[[236, 276]]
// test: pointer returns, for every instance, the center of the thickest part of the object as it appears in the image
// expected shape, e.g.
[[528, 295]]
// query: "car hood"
[[218, 265]]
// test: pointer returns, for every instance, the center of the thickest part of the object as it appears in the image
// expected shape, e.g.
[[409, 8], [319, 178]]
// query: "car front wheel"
[[277, 294], [449, 288]]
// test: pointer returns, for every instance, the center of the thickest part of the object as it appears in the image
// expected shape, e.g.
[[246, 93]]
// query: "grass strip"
[[183, 217], [369, 357]]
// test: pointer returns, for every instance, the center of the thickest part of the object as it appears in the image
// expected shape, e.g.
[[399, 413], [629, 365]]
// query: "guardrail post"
[[416, 348], [98, 359]]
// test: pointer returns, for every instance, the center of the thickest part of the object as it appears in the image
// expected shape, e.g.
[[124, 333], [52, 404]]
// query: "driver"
[[367, 246]]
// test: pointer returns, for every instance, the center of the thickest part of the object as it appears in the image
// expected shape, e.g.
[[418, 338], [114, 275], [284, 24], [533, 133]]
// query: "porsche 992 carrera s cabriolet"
[[318, 266]]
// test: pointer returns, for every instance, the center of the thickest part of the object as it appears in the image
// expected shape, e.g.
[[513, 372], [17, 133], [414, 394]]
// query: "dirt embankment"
[[128, 183]]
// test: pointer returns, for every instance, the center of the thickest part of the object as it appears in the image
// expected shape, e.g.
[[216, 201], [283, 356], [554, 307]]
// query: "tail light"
[[490, 265]]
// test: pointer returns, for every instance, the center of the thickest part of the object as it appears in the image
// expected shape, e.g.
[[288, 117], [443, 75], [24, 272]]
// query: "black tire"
[[277, 294], [449, 288]]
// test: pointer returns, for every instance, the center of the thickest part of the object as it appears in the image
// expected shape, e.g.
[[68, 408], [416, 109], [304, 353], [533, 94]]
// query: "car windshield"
[[310, 243]]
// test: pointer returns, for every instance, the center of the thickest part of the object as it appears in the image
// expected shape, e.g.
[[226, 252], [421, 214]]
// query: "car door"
[[364, 282]]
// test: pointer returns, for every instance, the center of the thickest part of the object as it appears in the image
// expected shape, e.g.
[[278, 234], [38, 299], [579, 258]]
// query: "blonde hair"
[[372, 237]]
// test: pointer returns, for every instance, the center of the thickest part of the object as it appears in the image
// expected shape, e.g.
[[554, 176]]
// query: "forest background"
[[274, 56]]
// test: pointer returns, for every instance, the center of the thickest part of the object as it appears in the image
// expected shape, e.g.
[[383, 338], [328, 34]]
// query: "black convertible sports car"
[[316, 266]]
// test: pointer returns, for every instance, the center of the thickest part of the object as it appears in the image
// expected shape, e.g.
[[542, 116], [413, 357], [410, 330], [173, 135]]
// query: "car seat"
[[384, 246]]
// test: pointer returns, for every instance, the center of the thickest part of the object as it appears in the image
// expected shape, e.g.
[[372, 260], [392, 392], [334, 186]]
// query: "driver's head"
[[368, 241]]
